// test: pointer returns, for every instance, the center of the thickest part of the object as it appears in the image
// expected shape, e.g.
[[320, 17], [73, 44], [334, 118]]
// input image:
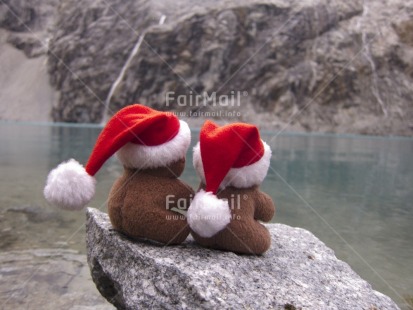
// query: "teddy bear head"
[[169, 155], [242, 177], [141, 137]]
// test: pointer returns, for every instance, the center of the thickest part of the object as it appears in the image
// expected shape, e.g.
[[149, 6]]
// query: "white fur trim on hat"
[[207, 214], [69, 186], [243, 177], [144, 156], [197, 162]]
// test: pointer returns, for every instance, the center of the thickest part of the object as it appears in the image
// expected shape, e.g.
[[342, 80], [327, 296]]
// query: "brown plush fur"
[[244, 234], [137, 204]]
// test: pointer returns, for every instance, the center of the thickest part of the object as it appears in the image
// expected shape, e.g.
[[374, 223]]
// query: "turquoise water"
[[354, 193]]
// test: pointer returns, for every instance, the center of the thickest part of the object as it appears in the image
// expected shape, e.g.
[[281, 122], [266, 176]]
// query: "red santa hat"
[[142, 137], [231, 155]]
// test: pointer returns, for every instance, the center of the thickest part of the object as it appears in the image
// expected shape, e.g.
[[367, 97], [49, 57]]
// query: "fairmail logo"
[[233, 99], [180, 205]]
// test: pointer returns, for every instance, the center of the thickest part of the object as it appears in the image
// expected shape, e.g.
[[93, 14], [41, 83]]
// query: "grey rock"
[[47, 279], [307, 65], [18, 15], [29, 24], [24, 81], [8, 238], [298, 272], [33, 45], [36, 214]]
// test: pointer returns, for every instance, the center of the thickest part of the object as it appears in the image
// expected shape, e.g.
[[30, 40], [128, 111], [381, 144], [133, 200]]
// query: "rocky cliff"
[[25, 90], [299, 65], [298, 272]]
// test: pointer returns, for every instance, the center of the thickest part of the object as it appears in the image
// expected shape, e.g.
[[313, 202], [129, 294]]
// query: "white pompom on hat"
[[142, 137], [69, 186], [229, 155]]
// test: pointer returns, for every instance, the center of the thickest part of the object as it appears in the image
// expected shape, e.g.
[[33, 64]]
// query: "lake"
[[353, 192]]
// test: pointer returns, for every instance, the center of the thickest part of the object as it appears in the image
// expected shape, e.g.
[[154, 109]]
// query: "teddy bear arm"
[[265, 208], [144, 215], [115, 203], [187, 188], [183, 195]]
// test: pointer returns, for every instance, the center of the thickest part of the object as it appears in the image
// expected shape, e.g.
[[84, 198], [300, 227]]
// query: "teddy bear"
[[142, 204], [232, 161]]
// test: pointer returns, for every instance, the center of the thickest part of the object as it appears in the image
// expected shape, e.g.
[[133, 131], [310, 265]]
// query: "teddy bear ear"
[[207, 214], [69, 186]]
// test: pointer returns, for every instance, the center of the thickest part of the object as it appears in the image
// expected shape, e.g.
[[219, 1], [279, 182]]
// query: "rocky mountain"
[[329, 66]]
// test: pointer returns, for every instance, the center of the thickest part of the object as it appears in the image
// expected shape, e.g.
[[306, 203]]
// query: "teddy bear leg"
[[178, 234], [169, 228], [254, 241], [115, 216], [261, 240]]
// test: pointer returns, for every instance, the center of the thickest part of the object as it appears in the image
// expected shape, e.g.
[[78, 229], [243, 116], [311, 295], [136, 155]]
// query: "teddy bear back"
[[243, 234], [143, 204], [231, 160]]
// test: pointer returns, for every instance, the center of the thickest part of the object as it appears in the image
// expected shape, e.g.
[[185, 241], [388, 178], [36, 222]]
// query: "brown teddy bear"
[[232, 161], [152, 146]]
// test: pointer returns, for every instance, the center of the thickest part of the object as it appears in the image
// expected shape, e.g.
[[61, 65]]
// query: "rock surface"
[[47, 279], [316, 65], [299, 272]]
